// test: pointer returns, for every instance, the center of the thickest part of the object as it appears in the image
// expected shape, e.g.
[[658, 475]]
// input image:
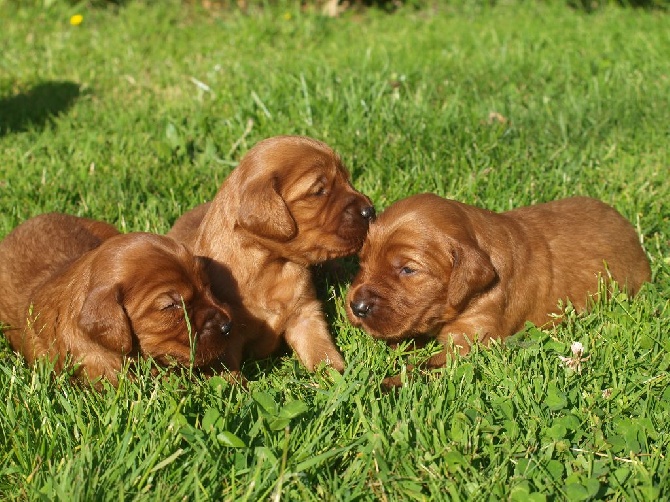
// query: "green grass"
[[111, 120]]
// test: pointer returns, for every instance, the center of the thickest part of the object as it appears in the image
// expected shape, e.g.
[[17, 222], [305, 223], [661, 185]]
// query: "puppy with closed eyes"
[[76, 288], [458, 273], [288, 205]]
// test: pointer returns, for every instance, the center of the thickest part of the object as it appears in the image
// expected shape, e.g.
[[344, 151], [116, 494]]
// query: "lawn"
[[139, 113]]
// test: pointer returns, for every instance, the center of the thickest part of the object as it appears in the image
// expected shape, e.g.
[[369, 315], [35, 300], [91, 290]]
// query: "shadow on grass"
[[35, 107]]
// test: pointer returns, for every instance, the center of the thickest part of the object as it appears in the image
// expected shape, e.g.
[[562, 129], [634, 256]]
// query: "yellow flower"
[[76, 19], [287, 16]]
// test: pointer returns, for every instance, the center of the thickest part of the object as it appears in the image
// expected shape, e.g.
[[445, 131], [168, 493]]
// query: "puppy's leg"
[[97, 364], [232, 362], [307, 334], [392, 382]]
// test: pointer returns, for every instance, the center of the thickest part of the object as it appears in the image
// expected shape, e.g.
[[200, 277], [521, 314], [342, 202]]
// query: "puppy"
[[457, 273], [77, 288], [288, 205]]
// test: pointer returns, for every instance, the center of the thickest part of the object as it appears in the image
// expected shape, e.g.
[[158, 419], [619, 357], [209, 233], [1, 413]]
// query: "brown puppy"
[[76, 287], [458, 273], [289, 204]]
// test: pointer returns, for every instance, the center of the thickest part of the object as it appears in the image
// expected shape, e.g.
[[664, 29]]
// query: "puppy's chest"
[[277, 296]]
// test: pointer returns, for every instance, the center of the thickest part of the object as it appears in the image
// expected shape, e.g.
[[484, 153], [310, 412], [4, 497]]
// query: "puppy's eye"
[[407, 271], [320, 192], [172, 301]]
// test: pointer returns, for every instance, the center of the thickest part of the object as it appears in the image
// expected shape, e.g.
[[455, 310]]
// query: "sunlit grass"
[[136, 114]]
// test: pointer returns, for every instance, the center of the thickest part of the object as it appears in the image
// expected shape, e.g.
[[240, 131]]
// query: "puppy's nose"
[[360, 309], [226, 328], [368, 213], [217, 322]]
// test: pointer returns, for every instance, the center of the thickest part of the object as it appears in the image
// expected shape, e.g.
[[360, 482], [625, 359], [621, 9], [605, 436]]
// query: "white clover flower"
[[577, 349], [575, 362]]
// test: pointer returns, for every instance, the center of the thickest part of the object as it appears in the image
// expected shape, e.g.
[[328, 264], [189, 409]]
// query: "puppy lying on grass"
[[458, 273], [288, 205], [76, 288]]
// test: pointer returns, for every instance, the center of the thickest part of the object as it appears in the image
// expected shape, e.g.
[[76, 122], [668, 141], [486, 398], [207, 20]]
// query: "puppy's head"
[[149, 295], [296, 198], [419, 268]]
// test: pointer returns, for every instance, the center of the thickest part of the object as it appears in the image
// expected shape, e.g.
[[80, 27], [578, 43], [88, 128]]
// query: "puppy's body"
[[76, 287], [456, 272], [185, 229], [36, 251], [288, 205]]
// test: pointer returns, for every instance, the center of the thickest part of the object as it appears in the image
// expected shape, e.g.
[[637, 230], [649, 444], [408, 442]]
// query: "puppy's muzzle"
[[354, 212], [217, 323], [226, 328], [368, 213], [360, 309]]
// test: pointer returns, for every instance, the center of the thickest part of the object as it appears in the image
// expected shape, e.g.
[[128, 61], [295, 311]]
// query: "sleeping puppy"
[[288, 205], [77, 288], [458, 273]]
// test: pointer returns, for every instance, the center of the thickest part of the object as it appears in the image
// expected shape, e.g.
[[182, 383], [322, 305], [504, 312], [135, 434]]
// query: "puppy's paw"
[[335, 361], [332, 359], [311, 342], [393, 382], [390, 383], [235, 378]]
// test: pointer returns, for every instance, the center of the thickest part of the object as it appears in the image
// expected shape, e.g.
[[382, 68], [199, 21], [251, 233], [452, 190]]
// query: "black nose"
[[360, 309], [226, 327], [368, 213]]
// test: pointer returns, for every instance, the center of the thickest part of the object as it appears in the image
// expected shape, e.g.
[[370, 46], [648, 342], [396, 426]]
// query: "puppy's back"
[[185, 229], [586, 237], [36, 250]]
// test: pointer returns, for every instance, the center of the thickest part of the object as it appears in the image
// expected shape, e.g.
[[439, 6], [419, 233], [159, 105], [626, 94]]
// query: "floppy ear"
[[263, 211], [103, 319], [472, 272]]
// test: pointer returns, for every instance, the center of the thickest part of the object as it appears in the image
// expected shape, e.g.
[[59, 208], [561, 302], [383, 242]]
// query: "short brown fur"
[[288, 205], [432, 266], [76, 287]]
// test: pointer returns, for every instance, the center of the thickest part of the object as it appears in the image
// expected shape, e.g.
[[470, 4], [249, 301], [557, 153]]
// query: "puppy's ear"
[[263, 211], [472, 272], [103, 319]]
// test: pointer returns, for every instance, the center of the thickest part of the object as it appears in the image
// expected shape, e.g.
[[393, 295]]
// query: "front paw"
[[236, 378], [335, 361], [331, 359], [393, 382], [390, 383]]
